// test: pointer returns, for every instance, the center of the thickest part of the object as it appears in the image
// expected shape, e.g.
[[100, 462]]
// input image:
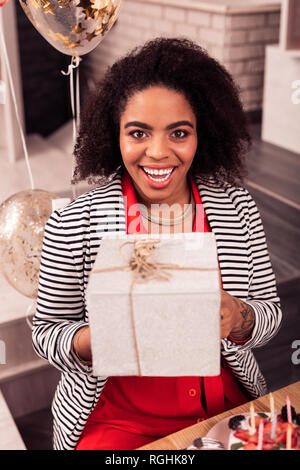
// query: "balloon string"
[[77, 98], [75, 113], [11, 84]]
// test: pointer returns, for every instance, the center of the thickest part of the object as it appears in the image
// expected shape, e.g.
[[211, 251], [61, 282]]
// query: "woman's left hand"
[[237, 317]]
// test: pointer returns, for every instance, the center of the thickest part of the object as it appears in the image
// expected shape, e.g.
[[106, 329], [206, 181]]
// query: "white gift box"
[[172, 328]]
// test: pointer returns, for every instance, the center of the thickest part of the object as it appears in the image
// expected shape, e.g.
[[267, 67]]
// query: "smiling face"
[[158, 141]]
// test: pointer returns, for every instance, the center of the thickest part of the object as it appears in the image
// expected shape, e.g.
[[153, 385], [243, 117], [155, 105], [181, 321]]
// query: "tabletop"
[[184, 438]]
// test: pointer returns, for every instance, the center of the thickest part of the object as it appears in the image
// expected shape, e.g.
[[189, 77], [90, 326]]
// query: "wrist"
[[81, 345], [245, 321]]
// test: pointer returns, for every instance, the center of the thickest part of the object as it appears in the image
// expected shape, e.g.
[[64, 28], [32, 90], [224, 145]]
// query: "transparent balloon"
[[74, 27], [23, 217]]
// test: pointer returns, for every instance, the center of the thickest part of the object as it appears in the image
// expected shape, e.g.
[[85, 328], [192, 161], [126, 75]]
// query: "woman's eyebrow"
[[146, 126]]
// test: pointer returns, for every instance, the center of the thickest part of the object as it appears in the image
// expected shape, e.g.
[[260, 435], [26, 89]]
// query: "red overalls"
[[133, 411]]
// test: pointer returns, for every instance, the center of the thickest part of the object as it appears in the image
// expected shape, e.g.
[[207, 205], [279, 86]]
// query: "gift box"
[[154, 306]]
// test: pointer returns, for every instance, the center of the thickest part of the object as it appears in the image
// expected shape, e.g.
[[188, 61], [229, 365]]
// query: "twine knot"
[[142, 264]]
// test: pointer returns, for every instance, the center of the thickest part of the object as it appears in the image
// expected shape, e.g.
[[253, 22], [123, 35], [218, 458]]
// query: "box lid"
[[187, 250]]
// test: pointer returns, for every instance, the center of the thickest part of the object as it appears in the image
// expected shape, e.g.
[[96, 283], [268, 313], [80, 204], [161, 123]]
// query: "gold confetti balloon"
[[74, 27], [23, 217]]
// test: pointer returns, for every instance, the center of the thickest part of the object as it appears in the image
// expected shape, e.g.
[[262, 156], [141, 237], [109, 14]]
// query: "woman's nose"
[[156, 155], [157, 150]]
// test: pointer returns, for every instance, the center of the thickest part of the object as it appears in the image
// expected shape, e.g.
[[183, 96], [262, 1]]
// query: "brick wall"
[[237, 40]]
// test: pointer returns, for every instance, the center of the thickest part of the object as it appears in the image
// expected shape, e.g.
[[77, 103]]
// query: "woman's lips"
[[158, 184]]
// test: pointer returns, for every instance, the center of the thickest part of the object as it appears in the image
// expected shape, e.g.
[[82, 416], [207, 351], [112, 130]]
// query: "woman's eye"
[[180, 134], [137, 134]]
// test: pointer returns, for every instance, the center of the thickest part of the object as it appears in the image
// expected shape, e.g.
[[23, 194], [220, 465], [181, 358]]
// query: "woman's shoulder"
[[216, 189], [227, 197]]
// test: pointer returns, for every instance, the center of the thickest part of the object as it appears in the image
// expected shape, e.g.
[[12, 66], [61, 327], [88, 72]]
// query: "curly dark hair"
[[181, 65]]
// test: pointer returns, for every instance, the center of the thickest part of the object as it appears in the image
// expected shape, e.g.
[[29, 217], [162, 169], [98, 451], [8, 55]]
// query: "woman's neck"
[[182, 197]]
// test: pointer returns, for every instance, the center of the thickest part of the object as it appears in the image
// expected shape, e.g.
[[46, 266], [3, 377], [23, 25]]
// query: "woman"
[[165, 129]]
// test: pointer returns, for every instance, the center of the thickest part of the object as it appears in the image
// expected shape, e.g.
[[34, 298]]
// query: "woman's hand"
[[237, 317], [82, 344]]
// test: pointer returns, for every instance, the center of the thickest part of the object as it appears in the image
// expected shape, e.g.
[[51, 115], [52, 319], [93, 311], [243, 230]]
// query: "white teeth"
[[151, 172], [158, 172], [159, 179]]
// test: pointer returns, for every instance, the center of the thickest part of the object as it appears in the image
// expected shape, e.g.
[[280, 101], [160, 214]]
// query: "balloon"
[[23, 217], [74, 27]]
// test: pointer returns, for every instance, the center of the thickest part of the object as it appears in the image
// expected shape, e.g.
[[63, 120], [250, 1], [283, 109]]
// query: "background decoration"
[[22, 222], [74, 27]]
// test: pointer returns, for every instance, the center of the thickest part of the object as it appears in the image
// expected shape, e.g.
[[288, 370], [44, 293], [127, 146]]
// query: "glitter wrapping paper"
[[177, 321]]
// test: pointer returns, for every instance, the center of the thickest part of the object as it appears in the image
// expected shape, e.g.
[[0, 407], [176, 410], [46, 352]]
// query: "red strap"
[[214, 395], [134, 222], [239, 342], [200, 222]]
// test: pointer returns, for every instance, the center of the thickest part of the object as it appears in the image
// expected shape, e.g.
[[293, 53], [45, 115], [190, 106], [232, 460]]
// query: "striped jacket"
[[71, 241]]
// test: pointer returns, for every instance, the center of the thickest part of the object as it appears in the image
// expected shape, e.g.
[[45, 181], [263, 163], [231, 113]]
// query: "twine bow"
[[142, 264], [144, 269]]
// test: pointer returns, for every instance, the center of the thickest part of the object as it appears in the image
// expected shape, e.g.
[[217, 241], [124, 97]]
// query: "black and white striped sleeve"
[[60, 303], [262, 293]]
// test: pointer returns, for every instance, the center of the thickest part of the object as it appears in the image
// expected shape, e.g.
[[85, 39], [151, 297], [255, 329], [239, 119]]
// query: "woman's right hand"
[[82, 344]]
